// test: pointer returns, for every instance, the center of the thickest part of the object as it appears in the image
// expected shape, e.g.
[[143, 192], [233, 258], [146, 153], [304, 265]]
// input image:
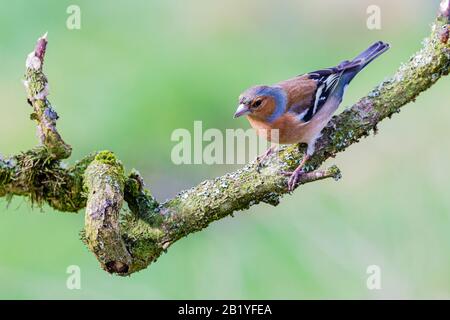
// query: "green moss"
[[105, 162], [144, 252], [335, 172], [106, 157], [140, 200], [42, 179], [36, 82], [109, 158], [5, 176], [5, 173]]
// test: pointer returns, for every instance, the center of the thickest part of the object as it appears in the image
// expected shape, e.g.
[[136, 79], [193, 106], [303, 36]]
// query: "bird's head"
[[262, 102]]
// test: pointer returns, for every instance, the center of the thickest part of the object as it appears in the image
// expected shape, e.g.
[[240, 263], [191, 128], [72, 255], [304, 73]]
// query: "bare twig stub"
[[37, 88], [128, 240]]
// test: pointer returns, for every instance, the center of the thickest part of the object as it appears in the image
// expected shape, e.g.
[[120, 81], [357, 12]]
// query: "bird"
[[296, 110]]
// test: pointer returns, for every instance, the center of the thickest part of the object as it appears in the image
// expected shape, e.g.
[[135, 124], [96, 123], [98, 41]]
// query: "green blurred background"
[[137, 70]]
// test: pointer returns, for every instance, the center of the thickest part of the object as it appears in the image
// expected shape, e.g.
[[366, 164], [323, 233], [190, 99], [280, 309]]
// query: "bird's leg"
[[261, 158], [295, 175]]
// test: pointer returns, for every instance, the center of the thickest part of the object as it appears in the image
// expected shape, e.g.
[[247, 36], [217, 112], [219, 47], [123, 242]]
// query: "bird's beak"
[[241, 110]]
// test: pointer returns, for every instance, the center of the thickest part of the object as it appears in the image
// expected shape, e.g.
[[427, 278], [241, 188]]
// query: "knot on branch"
[[124, 241]]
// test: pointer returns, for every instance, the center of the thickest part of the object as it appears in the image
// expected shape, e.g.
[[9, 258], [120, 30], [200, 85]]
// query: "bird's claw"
[[294, 177]]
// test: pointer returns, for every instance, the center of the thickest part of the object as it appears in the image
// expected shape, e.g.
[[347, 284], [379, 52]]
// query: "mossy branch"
[[37, 88], [126, 239]]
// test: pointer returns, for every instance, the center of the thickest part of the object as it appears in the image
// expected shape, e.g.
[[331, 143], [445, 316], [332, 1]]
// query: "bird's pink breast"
[[284, 130]]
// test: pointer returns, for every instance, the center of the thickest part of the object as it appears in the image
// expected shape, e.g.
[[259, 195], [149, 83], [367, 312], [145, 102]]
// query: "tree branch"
[[127, 239], [37, 88]]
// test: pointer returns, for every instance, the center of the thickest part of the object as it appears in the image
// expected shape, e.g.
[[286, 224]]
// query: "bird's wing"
[[307, 93], [327, 80]]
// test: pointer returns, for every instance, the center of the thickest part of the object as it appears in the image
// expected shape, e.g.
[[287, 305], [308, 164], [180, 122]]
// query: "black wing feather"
[[327, 79]]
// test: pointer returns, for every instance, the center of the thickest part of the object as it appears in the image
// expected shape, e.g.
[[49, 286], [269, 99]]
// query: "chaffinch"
[[299, 108]]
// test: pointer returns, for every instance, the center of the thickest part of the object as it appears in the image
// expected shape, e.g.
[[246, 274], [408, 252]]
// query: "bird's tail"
[[349, 69], [370, 54]]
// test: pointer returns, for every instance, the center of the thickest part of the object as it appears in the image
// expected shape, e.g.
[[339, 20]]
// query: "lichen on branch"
[[104, 184], [127, 229], [37, 88]]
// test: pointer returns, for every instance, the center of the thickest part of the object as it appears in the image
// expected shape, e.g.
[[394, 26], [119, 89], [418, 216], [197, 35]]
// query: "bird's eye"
[[257, 103]]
